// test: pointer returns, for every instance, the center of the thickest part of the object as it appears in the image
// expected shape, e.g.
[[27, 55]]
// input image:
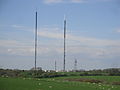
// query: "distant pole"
[[64, 43], [75, 65], [55, 66], [35, 39]]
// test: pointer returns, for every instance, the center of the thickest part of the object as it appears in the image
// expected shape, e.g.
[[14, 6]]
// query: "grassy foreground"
[[58, 83]]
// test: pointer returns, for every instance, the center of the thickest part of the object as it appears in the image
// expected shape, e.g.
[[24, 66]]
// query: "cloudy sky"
[[93, 33]]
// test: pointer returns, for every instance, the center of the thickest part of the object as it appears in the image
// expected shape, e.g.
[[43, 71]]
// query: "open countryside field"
[[61, 83]]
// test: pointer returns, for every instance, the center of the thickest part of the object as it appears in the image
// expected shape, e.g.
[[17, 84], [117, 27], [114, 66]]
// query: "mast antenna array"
[[64, 42], [75, 65], [55, 66], [35, 38]]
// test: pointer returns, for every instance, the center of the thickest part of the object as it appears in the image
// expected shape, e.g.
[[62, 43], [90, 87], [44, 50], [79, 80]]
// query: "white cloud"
[[80, 40], [52, 1], [20, 27], [118, 30], [92, 52], [92, 47], [64, 1], [105, 0], [50, 35], [73, 1], [21, 51], [13, 47], [9, 43], [17, 26], [78, 1]]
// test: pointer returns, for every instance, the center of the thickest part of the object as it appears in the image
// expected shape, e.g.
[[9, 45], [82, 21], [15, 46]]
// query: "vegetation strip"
[[93, 81]]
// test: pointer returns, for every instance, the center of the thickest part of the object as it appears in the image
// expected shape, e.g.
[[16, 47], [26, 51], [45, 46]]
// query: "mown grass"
[[57, 83]]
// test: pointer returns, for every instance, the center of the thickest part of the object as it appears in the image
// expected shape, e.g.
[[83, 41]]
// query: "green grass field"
[[58, 83]]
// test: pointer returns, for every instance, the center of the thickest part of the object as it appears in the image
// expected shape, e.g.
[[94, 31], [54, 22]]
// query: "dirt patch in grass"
[[115, 83], [86, 80], [93, 81]]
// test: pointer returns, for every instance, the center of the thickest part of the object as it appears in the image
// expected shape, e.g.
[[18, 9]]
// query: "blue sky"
[[93, 33]]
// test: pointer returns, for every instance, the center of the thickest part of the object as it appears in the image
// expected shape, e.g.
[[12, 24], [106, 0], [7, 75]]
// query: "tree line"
[[39, 73]]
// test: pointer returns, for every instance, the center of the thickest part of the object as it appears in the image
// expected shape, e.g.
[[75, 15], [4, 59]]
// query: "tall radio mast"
[[35, 38], [64, 42]]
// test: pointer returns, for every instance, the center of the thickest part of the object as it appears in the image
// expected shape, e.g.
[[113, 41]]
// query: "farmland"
[[60, 83]]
